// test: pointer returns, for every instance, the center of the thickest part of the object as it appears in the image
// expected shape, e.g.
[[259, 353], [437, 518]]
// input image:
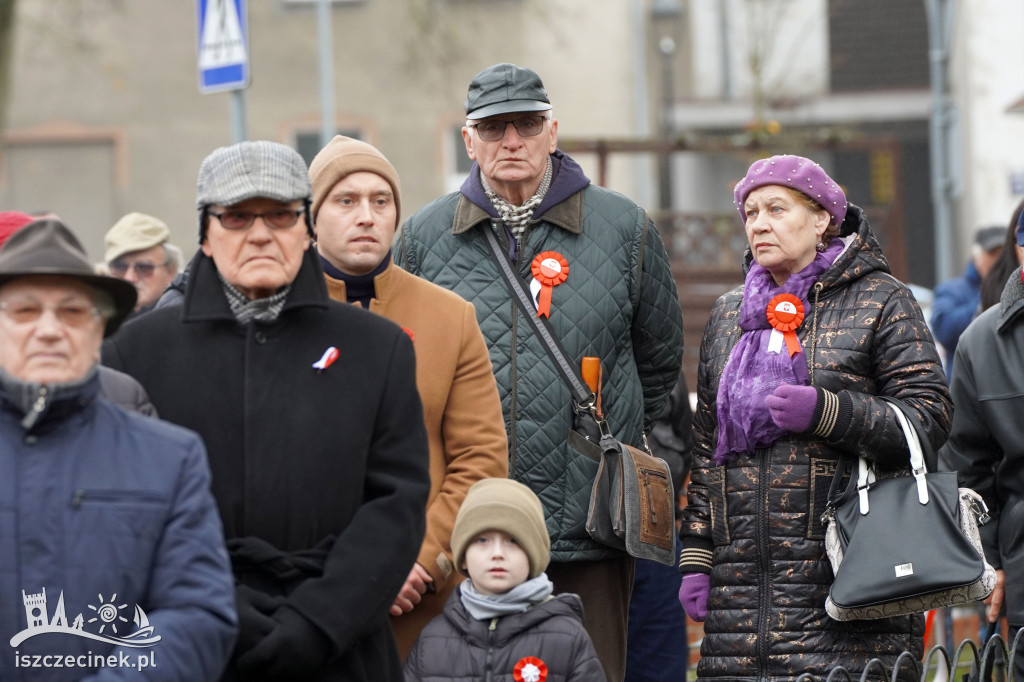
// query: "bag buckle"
[[589, 406]]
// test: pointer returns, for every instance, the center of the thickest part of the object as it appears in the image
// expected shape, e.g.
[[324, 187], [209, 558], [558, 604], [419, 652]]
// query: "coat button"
[[519, 416], [31, 440], [260, 337]]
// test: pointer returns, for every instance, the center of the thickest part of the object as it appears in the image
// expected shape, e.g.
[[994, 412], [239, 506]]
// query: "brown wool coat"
[[462, 412]]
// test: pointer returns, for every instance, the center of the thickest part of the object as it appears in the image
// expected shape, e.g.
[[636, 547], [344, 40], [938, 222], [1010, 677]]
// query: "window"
[[307, 143]]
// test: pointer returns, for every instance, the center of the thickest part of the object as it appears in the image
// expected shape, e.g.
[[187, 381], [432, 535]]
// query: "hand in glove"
[[792, 407], [255, 616], [295, 647], [693, 595]]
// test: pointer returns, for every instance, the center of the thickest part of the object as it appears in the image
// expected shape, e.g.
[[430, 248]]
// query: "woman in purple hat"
[[792, 365]]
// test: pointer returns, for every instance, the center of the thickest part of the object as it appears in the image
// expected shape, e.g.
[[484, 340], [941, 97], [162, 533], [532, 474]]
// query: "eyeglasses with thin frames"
[[493, 130], [277, 219], [75, 315], [143, 269]]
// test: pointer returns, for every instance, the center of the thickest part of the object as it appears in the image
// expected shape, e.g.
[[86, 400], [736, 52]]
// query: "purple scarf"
[[752, 373]]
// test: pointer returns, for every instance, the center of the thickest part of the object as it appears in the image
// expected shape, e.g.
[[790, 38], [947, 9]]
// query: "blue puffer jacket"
[[618, 304], [109, 512]]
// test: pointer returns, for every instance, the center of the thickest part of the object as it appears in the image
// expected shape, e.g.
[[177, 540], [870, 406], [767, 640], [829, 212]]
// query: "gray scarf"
[[246, 310], [517, 600], [518, 217]]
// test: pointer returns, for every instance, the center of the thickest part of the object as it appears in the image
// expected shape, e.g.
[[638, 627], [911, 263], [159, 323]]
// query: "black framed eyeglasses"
[[143, 269], [76, 315], [277, 219], [493, 130]]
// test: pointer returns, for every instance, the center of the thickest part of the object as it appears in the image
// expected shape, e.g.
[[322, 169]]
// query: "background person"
[[1010, 258], [356, 202], [504, 619], [319, 456], [617, 302], [956, 301], [94, 501], [138, 250], [770, 426]]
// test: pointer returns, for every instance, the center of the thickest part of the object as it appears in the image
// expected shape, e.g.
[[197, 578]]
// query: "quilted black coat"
[[618, 303], [759, 516]]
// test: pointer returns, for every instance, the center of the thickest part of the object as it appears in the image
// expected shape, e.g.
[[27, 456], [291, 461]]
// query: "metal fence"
[[994, 663]]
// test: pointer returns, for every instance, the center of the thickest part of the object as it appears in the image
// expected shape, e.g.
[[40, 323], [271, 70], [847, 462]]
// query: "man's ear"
[[467, 137]]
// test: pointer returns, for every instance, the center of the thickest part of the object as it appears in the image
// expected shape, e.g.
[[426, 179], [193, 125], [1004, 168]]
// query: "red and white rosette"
[[549, 270], [786, 313], [530, 669]]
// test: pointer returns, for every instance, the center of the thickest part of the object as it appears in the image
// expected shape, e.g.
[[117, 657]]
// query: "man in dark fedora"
[[311, 416], [598, 271], [96, 503]]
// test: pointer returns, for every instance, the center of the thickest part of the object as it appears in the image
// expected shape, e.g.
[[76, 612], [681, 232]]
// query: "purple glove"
[[693, 595], [792, 407]]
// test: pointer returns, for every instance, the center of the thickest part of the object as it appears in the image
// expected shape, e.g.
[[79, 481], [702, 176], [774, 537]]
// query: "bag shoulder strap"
[[583, 395]]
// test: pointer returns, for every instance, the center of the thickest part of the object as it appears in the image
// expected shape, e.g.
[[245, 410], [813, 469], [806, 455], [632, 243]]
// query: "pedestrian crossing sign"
[[223, 45]]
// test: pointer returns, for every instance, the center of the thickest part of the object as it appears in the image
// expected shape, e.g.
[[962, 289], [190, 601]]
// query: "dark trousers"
[[604, 586], [656, 650]]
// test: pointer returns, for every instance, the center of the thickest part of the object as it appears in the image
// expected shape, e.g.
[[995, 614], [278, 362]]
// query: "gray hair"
[[173, 256]]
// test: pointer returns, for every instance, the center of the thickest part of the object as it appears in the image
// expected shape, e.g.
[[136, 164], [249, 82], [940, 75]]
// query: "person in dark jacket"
[[614, 298], [110, 543], [311, 416], [503, 623], [986, 443], [793, 365]]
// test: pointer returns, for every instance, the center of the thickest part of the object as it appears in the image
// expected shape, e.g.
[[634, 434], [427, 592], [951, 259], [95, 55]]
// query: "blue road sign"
[[223, 45]]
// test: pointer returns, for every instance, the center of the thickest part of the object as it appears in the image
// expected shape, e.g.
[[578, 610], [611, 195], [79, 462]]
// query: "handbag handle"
[[919, 451]]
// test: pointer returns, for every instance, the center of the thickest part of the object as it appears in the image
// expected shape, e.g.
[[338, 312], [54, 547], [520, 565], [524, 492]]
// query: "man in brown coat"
[[356, 204]]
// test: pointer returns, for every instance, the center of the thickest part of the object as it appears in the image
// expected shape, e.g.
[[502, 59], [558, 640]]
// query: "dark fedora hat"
[[47, 247]]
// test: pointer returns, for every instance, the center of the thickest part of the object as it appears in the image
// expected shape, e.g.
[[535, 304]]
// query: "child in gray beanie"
[[504, 623]]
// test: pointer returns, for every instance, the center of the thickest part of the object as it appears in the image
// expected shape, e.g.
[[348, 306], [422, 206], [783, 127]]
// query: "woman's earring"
[[820, 246]]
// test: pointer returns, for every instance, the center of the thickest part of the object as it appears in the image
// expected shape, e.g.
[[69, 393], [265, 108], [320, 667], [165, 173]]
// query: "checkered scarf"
[[518, 217], [262, 309]]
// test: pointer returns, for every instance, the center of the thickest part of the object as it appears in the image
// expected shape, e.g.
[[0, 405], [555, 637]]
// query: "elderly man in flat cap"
[[138, 250], [597, 269], [96, 503], [310, 413]]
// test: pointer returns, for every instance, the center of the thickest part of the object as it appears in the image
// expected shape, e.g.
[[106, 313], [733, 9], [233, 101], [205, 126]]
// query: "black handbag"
[[632, 503], [903, 544]]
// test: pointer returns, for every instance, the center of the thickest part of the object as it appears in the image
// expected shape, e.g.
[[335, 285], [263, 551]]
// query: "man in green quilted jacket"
[[597, 269]]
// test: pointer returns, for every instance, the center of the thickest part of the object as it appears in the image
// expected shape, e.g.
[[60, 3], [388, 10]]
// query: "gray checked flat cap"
[[230, 175]]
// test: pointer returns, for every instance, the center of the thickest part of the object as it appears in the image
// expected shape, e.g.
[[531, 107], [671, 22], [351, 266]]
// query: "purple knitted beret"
[[797, 173]]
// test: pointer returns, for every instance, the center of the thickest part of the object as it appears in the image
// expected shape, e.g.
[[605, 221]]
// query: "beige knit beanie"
[[502, 504], [343, 156]]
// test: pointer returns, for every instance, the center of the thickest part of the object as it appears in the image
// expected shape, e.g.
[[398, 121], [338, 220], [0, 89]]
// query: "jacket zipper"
[[489, 662], [130, 496], [764, 562]]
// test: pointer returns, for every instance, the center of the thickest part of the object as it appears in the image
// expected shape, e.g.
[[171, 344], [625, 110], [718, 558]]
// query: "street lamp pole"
[[940, 15], [667, 47]]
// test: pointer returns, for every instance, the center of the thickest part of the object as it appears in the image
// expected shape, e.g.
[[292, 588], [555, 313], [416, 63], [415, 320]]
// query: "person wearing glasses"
[[96, 503], [598, 269], [310, 413], [138, 250]]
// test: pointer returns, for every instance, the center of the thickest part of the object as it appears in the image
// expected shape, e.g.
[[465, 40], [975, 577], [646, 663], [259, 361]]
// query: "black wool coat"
[[334, 460]]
